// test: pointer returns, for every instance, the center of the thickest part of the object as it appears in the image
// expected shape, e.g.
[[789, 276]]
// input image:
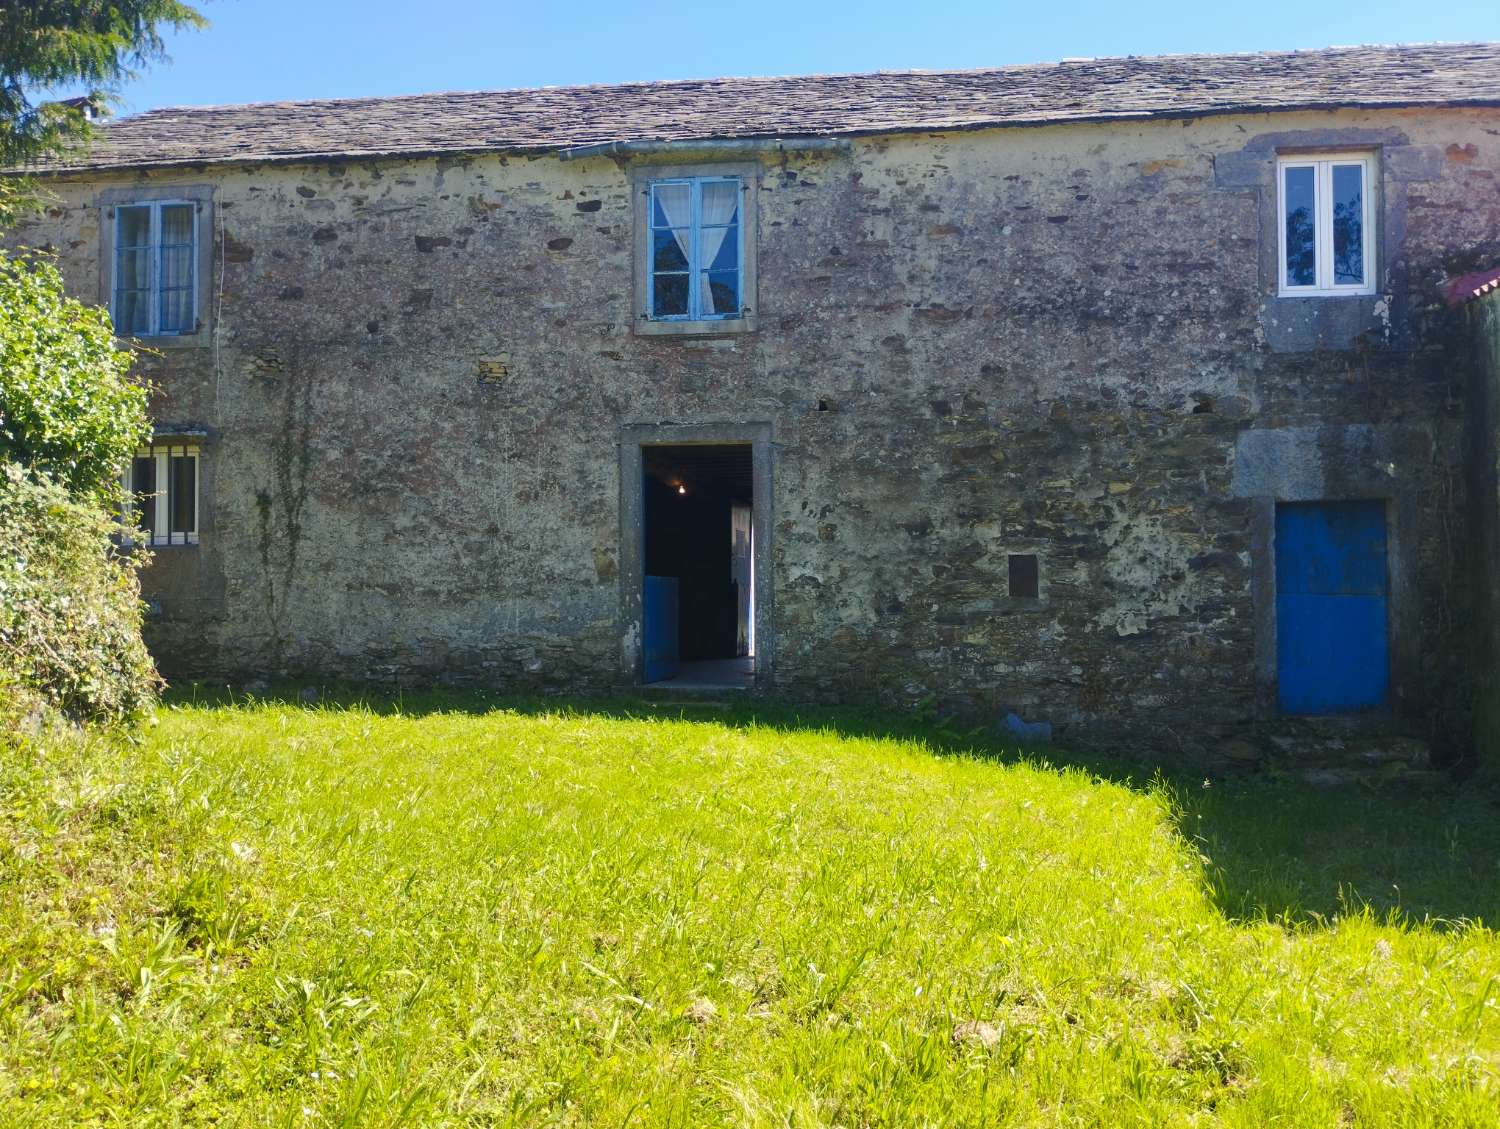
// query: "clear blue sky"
[[260, 50]]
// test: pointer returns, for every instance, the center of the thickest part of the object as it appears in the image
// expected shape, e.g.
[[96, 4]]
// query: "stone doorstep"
[[1357, 750], [1370, 748], [1406, 777], [680, 700], [1327, 753]]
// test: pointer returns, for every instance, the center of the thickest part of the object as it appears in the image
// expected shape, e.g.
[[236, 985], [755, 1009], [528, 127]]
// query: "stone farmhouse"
[[1120, 394]]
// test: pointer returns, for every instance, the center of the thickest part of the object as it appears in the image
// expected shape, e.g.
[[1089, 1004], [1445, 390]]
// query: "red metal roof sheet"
[[1470, 286]]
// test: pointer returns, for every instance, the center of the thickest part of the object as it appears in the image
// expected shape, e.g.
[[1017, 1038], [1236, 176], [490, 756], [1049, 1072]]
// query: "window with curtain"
[[161, 494], [1326, 222], [696, 248], [155, 263]]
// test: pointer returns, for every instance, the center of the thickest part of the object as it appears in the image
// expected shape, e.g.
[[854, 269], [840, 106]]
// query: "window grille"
[[161, 495]]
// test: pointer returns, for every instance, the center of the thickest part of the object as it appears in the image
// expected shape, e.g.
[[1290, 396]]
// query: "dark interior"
[[690, 496]]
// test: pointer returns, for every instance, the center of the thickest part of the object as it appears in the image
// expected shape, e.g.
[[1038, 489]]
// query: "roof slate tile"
[[556, 118]]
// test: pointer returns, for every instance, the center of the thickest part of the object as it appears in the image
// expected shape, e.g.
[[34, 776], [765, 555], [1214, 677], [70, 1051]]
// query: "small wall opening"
[[698, 597], [1024, 576]]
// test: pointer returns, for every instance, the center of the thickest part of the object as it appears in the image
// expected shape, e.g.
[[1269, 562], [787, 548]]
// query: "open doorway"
[[698, 540]]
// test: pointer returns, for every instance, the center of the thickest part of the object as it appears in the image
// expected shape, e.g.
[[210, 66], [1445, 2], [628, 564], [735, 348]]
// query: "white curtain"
[[721, 199], [133, 271], [176, 282], [676, 203]]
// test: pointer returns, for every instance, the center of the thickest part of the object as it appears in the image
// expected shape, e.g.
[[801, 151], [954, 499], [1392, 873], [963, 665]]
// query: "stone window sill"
[[171, 341], [645, 327], [144, 546], [1324, 295], [1022, 604]]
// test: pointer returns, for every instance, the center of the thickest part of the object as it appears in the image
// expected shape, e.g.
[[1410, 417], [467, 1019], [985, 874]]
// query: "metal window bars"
[[162, 494]]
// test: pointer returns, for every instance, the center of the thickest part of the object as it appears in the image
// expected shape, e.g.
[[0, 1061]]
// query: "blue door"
[[659, 628], [1332, 654]]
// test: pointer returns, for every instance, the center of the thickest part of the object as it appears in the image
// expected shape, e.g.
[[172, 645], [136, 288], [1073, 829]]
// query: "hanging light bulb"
[[681, 489]]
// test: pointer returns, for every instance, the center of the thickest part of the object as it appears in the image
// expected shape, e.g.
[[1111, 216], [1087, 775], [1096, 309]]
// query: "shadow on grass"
[[1274, 847]]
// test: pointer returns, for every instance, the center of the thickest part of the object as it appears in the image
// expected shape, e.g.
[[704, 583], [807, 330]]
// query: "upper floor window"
[[1327, 229], [161, 494], [697, 248], [155, 266], [695, 228]]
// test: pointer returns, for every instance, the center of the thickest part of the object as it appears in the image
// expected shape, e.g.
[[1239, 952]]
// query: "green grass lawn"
[[449, 913]]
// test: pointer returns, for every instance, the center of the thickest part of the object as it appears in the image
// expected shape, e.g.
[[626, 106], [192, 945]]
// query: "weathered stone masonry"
[[1061, 340], [1482, 307]]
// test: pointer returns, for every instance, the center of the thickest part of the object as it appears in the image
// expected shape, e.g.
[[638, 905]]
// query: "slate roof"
[[555, 118]]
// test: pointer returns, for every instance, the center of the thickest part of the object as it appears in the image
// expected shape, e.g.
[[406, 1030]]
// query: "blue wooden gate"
[[1332, 654], [659, 628]]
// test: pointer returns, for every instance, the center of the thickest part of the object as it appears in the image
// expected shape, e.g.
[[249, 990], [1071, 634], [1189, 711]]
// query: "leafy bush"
[[68, 407], [70, 607]]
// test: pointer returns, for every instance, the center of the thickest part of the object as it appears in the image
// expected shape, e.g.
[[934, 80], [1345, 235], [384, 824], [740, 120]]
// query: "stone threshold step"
[[672, 702]]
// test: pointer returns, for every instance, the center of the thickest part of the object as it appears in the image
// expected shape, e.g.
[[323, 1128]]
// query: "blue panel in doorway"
[[1332, 653], [659, 628]]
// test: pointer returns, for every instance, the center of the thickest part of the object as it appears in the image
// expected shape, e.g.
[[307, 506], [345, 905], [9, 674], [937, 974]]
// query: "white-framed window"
[[696, 248], [1326, 221], [154, 290], [161, 495]]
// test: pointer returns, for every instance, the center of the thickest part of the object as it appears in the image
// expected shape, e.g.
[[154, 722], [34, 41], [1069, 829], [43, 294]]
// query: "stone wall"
[[1484, 317], [1061, 341]]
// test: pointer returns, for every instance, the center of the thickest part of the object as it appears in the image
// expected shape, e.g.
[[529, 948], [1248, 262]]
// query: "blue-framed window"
[[697, 248], [156, 260]]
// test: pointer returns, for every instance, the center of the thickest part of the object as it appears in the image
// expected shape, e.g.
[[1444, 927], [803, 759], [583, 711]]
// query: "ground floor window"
[[161, 494]]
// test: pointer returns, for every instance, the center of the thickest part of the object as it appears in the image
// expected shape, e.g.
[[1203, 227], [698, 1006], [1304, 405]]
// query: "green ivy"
[[68, 407]]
